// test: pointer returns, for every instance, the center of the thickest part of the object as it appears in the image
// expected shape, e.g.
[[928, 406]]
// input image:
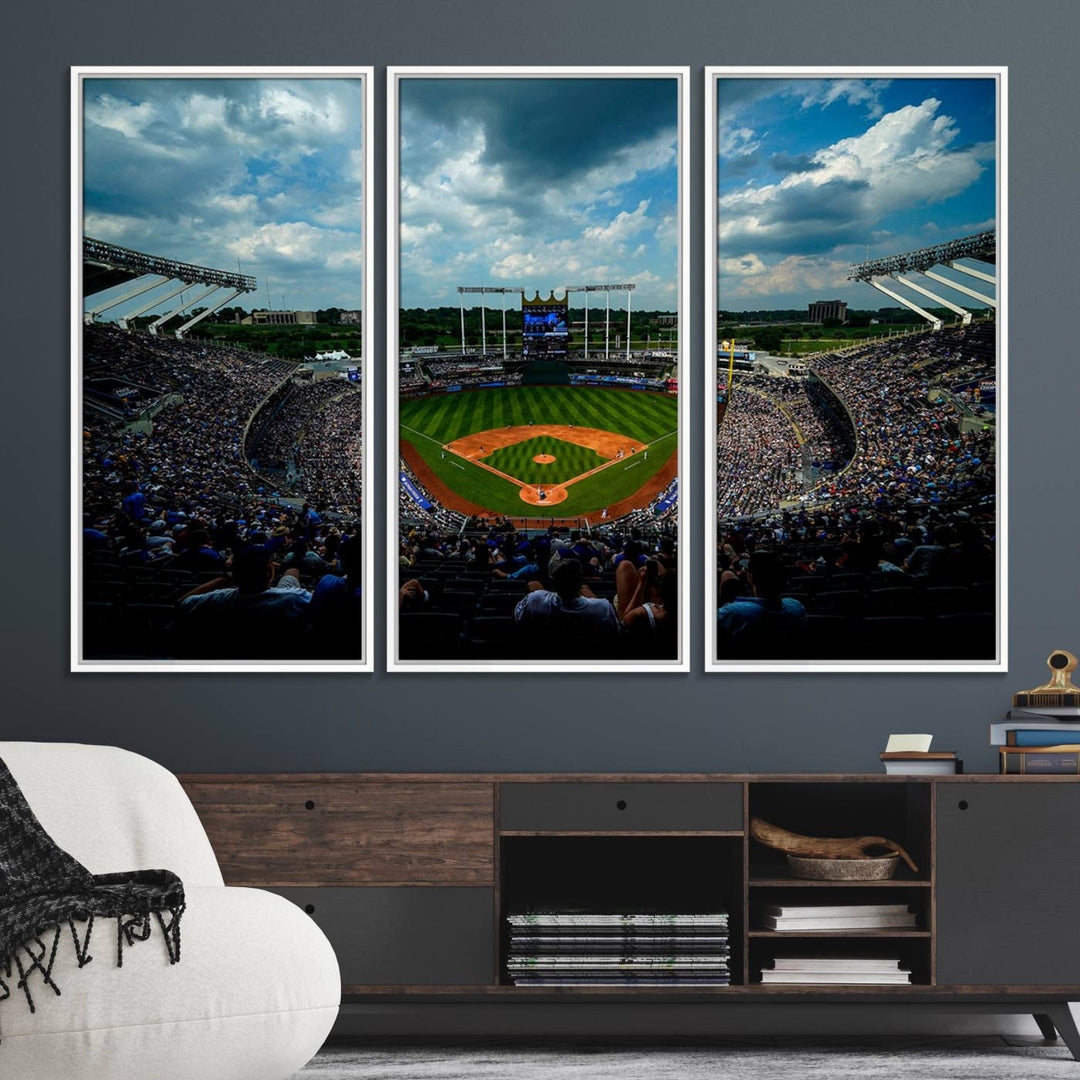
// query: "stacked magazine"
[[816, 917], [836, 970], [578, 948]]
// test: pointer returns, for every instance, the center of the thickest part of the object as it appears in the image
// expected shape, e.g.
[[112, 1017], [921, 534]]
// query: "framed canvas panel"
[[536, 301], [221, 387], [855, 415]]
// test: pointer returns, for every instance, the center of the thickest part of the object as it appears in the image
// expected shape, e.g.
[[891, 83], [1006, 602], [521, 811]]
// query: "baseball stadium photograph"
[[218, 384], [857, 370], [535, 330]]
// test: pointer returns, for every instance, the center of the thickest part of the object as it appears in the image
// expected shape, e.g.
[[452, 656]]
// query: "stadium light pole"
[[607, 290], [482, 290], [607, 323]]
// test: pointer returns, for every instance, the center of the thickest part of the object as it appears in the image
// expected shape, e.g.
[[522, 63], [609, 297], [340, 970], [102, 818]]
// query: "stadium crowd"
[[498, 593], [894, 557], [187, 552], [330, 455], [758, 461], [277, 428]]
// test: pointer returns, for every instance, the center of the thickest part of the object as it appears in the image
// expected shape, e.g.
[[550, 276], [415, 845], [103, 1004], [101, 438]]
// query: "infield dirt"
[[607, 444]]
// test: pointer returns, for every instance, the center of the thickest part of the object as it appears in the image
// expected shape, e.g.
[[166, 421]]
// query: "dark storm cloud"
[[784, 163], [743, 165], [545, 130], [833, 202]]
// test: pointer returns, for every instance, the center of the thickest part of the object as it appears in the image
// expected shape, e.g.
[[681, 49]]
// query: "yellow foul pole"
[[731, 362]]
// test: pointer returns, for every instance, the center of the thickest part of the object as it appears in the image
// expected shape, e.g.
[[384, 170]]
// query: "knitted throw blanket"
[[46, 895]]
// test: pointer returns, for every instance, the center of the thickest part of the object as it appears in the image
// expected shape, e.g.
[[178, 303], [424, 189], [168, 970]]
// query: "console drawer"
[[621, 807], [294, 832], [406, 936]]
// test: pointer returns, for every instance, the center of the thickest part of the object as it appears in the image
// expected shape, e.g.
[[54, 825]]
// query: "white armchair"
[[257, 989]]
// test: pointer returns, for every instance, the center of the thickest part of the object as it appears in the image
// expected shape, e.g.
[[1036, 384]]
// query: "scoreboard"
[[545, 326]]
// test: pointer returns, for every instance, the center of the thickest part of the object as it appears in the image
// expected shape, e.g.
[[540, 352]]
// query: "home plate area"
[[545, 459]]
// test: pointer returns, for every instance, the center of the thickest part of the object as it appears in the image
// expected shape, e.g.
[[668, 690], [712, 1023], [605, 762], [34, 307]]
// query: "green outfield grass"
[[429, 423], [570, 460]]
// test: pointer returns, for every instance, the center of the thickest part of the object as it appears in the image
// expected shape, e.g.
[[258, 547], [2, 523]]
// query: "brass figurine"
[[1059, 692]]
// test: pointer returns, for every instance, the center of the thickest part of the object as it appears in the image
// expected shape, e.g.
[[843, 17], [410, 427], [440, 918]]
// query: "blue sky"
[[209, 171], [813, 173], [538, 183]]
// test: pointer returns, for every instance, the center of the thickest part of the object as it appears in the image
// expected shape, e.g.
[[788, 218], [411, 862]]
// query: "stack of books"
[[576, 948], [914, 763], [1042, 740], [910, 755], [866, 970], [795, 917]]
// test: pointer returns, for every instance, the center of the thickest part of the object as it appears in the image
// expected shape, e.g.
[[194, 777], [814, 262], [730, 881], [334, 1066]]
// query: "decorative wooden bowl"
[[843, 869]]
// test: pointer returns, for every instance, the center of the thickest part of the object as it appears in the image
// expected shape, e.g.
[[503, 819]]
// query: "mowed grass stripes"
[[429, 423], [570, 460], [446, 417]]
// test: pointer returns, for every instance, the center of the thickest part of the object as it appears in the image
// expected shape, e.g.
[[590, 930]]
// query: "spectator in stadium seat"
[[156, 538], [666, 553], [632, 551], [567, 620], [136, 549], [411, 596], [198, 554], [93, 538], [927, 561], [134, 502], [766, 623], [335, 611], [731, 587], [652, 626], [970, 559], [250, 617]]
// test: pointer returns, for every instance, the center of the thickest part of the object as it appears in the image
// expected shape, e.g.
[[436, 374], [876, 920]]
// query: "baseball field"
[[559, 451]]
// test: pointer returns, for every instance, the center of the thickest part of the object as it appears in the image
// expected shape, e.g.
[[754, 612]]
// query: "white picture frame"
[[370, 375], [713, 665], [394, 77]]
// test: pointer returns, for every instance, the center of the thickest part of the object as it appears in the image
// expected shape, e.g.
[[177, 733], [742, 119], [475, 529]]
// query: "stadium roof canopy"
[[106, 266], [898, 270], [981, 246]]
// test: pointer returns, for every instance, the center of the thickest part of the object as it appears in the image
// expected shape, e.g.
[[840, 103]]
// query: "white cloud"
[[904, 159], [463, 221], [825, 92], [735, 141], [751, 277], [115, 114], [625, 225]]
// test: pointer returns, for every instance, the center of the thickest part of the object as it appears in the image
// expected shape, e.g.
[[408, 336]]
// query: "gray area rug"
[[913, 1058]]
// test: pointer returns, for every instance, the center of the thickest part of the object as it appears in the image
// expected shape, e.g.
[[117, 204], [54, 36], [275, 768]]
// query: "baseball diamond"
[[583, 449]]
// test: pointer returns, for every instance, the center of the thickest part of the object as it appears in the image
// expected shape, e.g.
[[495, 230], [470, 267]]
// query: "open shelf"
[[907, 947], [617, 873], [687, 872], [877, 933]]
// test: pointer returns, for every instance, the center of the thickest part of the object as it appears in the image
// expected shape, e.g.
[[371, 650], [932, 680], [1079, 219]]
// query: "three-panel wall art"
[[578, 471]]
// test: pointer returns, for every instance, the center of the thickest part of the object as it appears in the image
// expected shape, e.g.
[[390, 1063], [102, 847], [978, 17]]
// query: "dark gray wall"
[[542, 722]]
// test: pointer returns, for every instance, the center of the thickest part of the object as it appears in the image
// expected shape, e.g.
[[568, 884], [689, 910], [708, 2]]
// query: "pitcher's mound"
[[544, 459]]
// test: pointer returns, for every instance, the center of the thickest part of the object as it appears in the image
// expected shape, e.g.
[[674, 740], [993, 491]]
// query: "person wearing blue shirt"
[[766, 623]]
